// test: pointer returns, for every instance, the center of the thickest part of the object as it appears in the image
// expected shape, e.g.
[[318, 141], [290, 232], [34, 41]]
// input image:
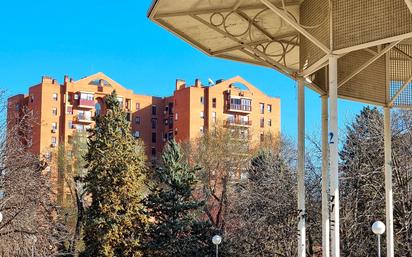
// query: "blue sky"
[[80, 37]]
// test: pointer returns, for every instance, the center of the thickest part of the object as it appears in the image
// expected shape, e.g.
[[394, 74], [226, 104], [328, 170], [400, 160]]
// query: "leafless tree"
[[30, 220], [263, 216], [362, 174], [70, 164], [223, 153]]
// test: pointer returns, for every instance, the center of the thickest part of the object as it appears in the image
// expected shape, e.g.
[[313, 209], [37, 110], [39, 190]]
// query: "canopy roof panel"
[[295, 37]]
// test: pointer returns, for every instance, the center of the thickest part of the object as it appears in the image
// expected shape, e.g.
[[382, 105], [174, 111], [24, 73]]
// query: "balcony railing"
[[86, 103], [240, 107], [84, 118], [238, 122]]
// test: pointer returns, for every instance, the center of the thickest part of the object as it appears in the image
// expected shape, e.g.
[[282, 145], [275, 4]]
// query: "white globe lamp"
[[378, 228], [217, 240]]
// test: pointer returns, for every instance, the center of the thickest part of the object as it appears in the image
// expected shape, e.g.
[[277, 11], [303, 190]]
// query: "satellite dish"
[[211, 82]]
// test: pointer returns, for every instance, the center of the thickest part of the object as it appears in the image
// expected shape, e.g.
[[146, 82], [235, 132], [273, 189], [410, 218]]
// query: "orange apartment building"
[[61, 109]]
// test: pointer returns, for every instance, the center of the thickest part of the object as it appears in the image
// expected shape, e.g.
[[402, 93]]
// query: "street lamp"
[[216, 241], [34, 240], [378, 228]]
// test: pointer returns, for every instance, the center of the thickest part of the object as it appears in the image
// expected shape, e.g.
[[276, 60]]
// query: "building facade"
[[62, 109]]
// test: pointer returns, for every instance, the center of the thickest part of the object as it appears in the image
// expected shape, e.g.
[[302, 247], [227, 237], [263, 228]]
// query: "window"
[[242, 104], [154, 136], [214, 117], [48, 156], [86, 96], [166, 121], [247, 103], [54, 111], [244, 120], [202, 100], [55, 96], [137, 120], [176, 116], [154, 109], [269, 108], [170, 108], [170, 135], [136, 134], [202, 115], [70, 124], [54, 126], [129, 116], [244, 134], [262, 122], [235, 101], [85, 115], [202, 130], [54, 141], [17, 107], [262, 137], [137, 106], [154, 123], [170, 122], [231, 118], [120, 100], [98, 108], [153, 152], [270, 122], [79, 127], [262, 108], [214, 102], [69, 110], [31, 98]]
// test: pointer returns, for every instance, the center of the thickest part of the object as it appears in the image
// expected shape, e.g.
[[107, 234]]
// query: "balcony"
[[238, 122], [240, 108], [86, 103], [84, 118]]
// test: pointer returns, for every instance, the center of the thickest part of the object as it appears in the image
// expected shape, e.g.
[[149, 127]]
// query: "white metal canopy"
[[355, 49], [295, 38]]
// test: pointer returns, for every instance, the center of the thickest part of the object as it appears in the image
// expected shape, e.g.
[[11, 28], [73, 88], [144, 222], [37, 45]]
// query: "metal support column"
[[325, 180], [301, 169], [333, 151], [388, 182]]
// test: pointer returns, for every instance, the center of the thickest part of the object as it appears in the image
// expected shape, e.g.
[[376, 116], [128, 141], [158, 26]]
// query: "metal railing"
[[239, 122], [240, 107]]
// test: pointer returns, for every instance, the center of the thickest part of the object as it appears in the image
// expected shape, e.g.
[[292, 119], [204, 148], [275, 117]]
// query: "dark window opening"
[[154, 123]]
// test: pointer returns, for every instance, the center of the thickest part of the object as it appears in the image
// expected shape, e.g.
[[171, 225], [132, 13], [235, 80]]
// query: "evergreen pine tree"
[[176, 228], [115, 163]]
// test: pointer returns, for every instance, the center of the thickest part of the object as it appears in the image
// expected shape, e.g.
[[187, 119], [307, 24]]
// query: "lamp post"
[[34, 240], [216, 241], [378, 228]]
